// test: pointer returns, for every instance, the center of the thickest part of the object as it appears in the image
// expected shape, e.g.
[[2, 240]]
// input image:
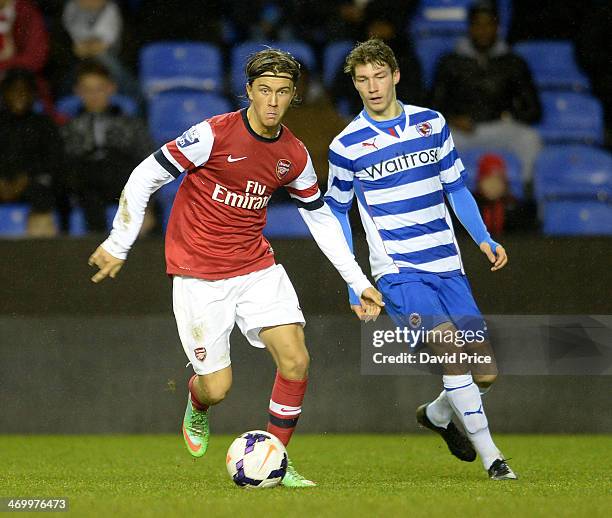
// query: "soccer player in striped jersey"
[[222, 267], [399, 161]]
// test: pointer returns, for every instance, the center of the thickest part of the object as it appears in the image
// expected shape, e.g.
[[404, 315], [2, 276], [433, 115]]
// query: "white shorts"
[[206, 312]]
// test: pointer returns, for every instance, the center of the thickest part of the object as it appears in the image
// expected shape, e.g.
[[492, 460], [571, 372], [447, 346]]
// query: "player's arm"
[[167, 163], [327, 232], [463, 203], [146, 178], [339, 197]]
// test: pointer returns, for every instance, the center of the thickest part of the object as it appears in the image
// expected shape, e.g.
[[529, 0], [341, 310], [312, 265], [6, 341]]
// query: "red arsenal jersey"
[[216, 224]]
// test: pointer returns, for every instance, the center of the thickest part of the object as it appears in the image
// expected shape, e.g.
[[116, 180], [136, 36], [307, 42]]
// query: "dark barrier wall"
[[127, 374], [98, 359], [544, 276]]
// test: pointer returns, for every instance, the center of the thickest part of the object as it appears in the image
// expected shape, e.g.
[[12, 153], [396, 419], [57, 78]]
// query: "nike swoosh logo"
[[230, 159], [193, 447], [290, 410], [271, 448]]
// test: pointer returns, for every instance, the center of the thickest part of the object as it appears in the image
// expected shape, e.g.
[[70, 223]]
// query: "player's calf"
[[211, 389], [204, 391]]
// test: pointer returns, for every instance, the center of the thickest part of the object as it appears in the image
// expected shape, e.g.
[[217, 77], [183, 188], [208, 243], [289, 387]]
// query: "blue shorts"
[[428, 300]]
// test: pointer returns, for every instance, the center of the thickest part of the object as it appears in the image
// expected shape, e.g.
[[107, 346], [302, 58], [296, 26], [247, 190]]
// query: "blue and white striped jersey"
[[399, 176]]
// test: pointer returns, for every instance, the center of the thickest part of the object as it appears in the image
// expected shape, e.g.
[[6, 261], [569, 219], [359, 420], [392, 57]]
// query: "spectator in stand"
[[30, 154], [24, 43], [387, 24], [501, 211], [492, 192], [102, 146], [95, 30], [487, 92]]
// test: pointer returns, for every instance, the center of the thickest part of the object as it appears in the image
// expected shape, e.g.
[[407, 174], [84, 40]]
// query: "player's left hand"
[[499, 258], [371, 304]]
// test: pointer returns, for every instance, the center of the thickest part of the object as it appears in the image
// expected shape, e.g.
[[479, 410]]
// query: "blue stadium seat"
[[240, 53], [71, 104], [172, 113], [76, 221], [333, 60], [577, 218], [470, 158], [450, 18], [180, 65], [576, 171], [571, 117], [284, 222], [429, 51], [553, 64], [13, 219], [573, 186]]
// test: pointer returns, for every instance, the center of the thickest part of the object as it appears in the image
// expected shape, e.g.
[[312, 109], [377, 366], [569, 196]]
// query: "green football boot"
[[195, 429], [293, 479]]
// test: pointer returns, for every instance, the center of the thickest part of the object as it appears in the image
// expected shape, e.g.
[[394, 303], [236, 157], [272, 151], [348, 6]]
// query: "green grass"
[[359, 475]]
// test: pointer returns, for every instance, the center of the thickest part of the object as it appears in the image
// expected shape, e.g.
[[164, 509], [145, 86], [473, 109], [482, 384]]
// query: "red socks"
[[285, 406], [194, 399]]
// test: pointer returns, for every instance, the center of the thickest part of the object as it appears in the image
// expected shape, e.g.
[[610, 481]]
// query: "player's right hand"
[[371, 304], [108, 264]]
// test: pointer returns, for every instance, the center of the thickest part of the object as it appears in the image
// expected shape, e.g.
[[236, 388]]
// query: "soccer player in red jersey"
[[223, 268]]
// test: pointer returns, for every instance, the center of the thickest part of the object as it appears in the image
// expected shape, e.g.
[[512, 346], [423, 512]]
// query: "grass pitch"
[[359, 475]]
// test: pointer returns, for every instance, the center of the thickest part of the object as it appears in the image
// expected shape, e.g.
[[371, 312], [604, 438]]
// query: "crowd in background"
[[53, 48]]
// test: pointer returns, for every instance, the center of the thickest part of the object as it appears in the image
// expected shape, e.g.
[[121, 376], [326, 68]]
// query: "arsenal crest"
[[424, 128], [283, 166], [200, 353]]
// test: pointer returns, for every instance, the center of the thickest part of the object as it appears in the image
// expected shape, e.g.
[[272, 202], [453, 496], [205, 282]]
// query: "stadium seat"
[[76, 222], [429, 51], [180, 65], [284, 222], [333, 60], [240, 53], [553, 64], [576, 171], [571, 117], [577, 218], [172, 113], [13, 219], [450, 18], [573, 187], [72, 104], [470, 158]]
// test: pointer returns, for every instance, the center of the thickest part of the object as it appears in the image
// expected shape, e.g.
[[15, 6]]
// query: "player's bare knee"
[[213, 392], [294, 366], [214, 395]]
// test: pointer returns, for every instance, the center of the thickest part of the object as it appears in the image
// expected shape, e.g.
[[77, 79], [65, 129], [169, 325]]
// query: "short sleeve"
[[187, 152], [451, 167], [305, 189], [340, 190]]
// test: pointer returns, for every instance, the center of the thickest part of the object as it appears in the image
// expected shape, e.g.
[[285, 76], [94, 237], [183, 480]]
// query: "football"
[[256, 459]]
